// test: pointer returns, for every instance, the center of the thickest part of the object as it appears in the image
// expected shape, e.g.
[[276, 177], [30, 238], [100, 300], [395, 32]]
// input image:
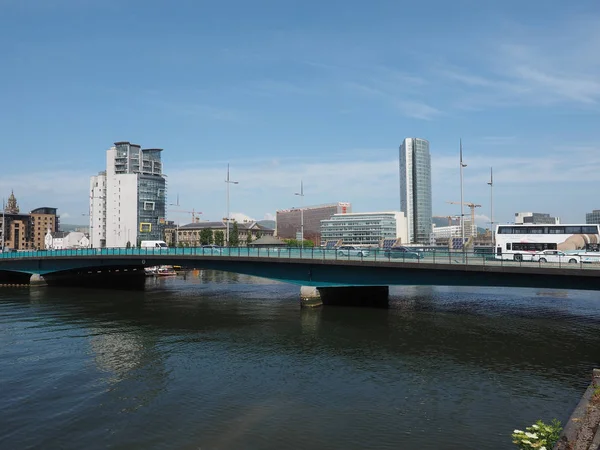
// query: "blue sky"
[[290, 90]]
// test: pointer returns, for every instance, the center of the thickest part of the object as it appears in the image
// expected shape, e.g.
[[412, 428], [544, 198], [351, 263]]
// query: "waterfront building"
[[189, 235], [59, 240], [538, 218], [21, 231], [288, 221], [415, 188], [368, 228], [128, 200], [42, 220], [593, 217]]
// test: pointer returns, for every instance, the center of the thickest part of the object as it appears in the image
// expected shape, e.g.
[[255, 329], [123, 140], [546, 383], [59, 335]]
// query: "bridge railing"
[[437, 256]]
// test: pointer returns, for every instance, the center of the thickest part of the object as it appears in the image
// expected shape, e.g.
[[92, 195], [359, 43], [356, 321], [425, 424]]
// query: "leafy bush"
[[538, 436]]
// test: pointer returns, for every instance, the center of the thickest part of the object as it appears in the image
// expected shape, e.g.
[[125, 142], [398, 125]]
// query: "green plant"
[[206, 236], [219, 238], [249, 238], [539, 436], [234, 236], [596, 394]]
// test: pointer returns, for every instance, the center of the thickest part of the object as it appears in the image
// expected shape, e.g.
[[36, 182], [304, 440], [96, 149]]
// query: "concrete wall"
[[121, 210]]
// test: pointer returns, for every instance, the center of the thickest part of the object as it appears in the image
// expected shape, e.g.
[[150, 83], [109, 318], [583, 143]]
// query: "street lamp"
[[228, 182], [491, 184], [3, 226], [301, 195], [462, 206]]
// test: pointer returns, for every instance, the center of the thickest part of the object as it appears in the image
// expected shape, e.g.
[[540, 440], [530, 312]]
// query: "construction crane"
[[193, 212], [472, 206]]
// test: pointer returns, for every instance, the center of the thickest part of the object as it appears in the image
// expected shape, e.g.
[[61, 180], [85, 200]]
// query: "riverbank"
[[582, 431]]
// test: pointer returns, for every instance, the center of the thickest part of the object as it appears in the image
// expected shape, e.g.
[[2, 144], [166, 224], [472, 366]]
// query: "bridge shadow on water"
[[495, 330]]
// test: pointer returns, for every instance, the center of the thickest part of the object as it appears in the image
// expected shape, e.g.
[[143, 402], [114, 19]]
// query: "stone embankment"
[[582, 431]]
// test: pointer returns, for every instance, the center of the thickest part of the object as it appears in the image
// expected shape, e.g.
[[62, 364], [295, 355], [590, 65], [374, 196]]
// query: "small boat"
[[165, 271], [160, 271]]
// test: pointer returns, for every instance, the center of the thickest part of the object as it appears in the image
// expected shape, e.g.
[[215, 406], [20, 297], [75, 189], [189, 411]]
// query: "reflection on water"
[[222, 361]]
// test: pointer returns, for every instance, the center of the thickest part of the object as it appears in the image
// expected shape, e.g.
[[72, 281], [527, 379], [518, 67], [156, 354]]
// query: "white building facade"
[[365, 228], [415, 189], [522, 218], [60, 240], [128, 201]]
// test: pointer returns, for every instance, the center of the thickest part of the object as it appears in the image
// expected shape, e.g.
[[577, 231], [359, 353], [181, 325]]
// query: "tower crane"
[[193, 212], [472, 206]]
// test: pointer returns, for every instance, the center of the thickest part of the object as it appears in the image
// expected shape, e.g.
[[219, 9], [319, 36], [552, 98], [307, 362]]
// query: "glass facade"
[[593, 217], [415, 189], [151, 207], [360, 229]]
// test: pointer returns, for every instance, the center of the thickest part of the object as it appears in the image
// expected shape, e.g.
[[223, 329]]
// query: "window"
[[149, 206], [573, 230]]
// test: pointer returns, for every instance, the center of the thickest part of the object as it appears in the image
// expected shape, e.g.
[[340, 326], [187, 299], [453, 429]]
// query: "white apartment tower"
[[128, 200], [415, 189]]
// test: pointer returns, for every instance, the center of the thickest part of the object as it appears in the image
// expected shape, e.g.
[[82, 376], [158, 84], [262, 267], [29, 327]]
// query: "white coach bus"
[[521, 242]]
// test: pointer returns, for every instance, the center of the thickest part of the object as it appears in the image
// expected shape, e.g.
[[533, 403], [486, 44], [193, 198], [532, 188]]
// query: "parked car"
[[212, 249], [402, 253], [555, 256], [352, 250]]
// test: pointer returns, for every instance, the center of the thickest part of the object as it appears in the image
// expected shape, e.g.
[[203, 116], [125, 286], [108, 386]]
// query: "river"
[[224, 361]]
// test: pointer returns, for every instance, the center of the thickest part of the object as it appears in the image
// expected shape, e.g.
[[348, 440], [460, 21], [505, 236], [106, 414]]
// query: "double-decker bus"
[[521, 242]]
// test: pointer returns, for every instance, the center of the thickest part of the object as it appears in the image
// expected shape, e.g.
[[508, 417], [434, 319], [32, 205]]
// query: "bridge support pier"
[[37, 280], [310, 297], [371, 296]]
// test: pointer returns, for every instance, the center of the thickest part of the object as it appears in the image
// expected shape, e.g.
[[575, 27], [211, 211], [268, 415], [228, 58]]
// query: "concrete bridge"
[[325, 275]]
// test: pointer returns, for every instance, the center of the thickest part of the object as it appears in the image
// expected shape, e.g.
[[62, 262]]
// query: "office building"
[[128, 200], [365, 228], [593, 217], [539, 218], [288, 221], [415, 188]]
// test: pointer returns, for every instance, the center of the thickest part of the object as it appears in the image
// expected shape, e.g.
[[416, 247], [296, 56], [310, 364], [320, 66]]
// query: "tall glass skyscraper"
[[415, 188]]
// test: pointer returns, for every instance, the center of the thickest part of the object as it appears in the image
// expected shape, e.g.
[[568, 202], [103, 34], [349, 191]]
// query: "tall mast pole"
[[491, 183], [228, 182], [227, 217], [3, 224], [462, 207]]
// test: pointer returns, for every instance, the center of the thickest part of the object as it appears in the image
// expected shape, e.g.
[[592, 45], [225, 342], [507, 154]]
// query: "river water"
[[225, 361]]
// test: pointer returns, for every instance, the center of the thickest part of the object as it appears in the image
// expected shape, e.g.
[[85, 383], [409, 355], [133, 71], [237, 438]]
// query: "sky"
[[291, 90]]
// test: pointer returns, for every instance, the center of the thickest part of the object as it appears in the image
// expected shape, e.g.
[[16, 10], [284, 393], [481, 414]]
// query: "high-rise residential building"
[[533, 217], [289, 221], [415, 189], [365, 228], [128, 200]]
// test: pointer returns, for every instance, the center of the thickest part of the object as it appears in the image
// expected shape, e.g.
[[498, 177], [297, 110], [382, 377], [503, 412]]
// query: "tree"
[[219, 238], [258, 234], [249, 238], [206, 236], [128, 245], [234, 236]]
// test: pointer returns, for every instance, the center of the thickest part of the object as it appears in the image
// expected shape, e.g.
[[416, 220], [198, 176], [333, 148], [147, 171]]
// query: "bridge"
[[325, 275]]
